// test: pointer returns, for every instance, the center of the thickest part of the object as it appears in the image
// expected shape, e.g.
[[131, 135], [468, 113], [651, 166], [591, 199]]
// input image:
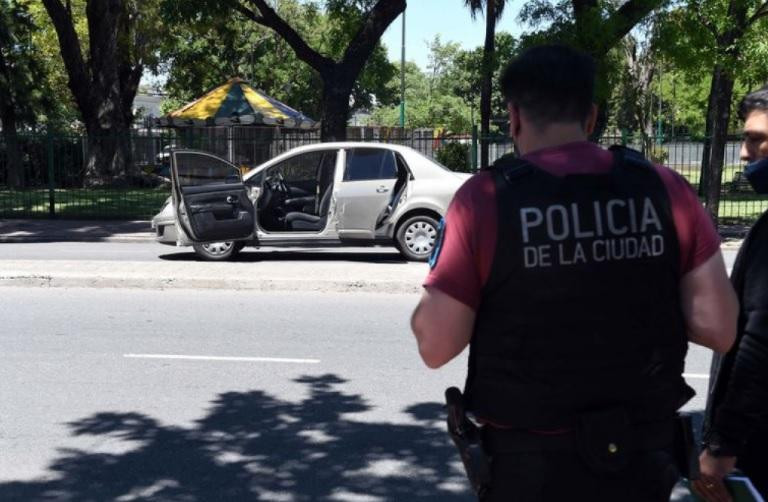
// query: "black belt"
[[645, 437]]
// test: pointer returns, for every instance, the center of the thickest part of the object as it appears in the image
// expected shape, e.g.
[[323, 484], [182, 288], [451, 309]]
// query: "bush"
[[658, 155], [454, 156]]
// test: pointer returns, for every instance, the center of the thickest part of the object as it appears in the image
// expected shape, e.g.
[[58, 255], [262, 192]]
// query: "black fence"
[[54, 176]]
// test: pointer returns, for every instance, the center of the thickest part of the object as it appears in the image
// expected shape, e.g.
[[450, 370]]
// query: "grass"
[[79, 203]]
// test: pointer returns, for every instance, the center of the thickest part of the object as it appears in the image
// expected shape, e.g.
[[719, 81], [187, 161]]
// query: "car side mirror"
[[232, 178]]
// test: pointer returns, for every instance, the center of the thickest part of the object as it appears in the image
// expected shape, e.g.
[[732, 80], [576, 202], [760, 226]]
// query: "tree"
[[466, 74], [365, 20], [20, 96], [594, 26], [635, 97], [726, 36], [200, 56], [121, 34], [493, 11]]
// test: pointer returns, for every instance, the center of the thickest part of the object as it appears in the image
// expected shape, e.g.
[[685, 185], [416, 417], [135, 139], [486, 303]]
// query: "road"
[[150, 251], [325, 398], [131, 394], [143, 251]]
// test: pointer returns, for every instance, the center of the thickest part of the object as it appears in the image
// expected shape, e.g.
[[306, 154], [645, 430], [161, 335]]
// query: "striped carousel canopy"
[[236, 103]]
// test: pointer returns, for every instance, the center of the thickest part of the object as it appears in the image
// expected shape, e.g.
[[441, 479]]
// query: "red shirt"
[[469, 241]]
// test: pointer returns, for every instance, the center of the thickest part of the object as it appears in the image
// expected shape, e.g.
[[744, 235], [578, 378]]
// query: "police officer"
[[736, 426], [577, 276]]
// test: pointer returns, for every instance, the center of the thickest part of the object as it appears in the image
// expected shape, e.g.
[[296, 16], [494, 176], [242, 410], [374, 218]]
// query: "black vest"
[[581, 310]]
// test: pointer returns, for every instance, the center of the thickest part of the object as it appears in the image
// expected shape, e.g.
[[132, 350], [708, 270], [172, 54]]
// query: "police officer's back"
[[576, 275]]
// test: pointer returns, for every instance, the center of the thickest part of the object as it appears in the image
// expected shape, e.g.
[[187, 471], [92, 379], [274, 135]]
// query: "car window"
[[303, 167], [370, 164], [196, 169]]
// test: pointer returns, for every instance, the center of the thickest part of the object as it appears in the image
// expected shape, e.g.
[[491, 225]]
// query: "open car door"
[[365, 192], [209, 198]]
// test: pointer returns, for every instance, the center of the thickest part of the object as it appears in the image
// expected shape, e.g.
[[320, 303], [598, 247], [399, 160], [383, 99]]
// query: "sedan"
[[325, 194]]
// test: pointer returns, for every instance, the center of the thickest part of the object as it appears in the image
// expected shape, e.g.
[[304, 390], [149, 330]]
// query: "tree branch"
[[365, 40], [271, 19], [707, 23], [71, 53], [761, 12], [623, 20]]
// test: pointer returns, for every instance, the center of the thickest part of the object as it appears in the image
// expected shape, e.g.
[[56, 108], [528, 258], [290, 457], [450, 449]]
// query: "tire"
[[416, 237], [218, 251]]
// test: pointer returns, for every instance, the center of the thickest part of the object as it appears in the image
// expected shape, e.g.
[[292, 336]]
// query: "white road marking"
[[224, 358], [696, 375]]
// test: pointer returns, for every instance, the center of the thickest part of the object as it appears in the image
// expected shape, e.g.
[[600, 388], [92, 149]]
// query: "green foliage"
[[23, 76], [454, 156], [447, 93], [690, 50], [208, 44]]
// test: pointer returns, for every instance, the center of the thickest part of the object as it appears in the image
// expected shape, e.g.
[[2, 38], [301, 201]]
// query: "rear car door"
[[209, 198], [365, 191]]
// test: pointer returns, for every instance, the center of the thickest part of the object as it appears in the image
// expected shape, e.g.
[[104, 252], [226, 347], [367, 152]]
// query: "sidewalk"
[[268, 275], [13, 230]]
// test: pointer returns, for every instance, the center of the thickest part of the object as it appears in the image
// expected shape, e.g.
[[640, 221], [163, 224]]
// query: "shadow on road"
[[253, 446], [303, 255], [29, 231]]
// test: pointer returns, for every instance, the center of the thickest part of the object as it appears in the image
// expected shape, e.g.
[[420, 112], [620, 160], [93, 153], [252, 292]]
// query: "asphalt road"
[[150, 251], [215, 395], [142, 251]]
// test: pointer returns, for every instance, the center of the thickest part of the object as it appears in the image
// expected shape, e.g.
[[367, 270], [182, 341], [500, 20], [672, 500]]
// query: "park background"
[[83, 84]]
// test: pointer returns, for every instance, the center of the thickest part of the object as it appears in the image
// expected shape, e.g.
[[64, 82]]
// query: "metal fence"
[[53, 167]]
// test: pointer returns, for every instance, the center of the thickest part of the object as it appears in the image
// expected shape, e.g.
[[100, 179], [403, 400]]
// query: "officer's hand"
[[710, 486]]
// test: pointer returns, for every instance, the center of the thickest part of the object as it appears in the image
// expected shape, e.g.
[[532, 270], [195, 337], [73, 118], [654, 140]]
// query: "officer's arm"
[[442, 326], [709, 305]]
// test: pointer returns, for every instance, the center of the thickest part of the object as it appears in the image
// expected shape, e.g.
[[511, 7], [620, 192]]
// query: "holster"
[[467, 438]]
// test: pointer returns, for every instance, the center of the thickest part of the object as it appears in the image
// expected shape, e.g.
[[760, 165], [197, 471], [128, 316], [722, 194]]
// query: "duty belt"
[[644, 437]]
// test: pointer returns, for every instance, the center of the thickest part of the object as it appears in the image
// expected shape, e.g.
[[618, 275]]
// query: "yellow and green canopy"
[[236, 103]]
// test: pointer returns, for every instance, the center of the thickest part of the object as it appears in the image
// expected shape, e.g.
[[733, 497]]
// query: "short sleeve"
[[461, 265], [696, 231]]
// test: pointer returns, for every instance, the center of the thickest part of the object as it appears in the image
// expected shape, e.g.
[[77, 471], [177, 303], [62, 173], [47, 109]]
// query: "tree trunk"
[[707, 148], [335, 111], [722, 92], [14, 167], [487, 85], [108, 156]]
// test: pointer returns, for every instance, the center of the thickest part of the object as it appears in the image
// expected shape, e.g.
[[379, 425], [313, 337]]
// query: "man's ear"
[[514, 120], [589, 125]]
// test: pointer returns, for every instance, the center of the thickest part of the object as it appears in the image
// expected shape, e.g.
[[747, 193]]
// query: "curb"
[[23, 239], [160, 283]]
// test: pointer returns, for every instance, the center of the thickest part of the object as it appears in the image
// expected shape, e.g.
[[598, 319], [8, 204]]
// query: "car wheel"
[[417, 237], [218, 251]]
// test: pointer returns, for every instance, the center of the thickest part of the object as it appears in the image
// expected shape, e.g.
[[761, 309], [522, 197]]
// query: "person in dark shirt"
[[736, 422], [576, 276]]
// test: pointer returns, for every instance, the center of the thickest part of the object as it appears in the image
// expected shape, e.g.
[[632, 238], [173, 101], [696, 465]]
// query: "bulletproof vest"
[[581, 311]]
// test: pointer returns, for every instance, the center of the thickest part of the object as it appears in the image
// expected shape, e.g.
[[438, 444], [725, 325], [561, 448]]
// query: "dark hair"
[[757, 100], [550, 83]]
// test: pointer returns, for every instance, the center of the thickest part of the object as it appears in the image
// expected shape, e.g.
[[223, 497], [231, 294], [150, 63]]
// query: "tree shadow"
[[249, 256], [254, 446], [34, 230]]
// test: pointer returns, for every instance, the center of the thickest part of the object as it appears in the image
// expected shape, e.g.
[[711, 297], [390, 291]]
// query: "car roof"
[[316, 146]]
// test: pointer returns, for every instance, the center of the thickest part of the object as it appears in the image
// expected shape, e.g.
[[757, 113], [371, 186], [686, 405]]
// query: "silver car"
[[326, 194]]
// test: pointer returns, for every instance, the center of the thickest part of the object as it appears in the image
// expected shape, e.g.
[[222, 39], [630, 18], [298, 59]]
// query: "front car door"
[[209, 199], [365, 191]]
